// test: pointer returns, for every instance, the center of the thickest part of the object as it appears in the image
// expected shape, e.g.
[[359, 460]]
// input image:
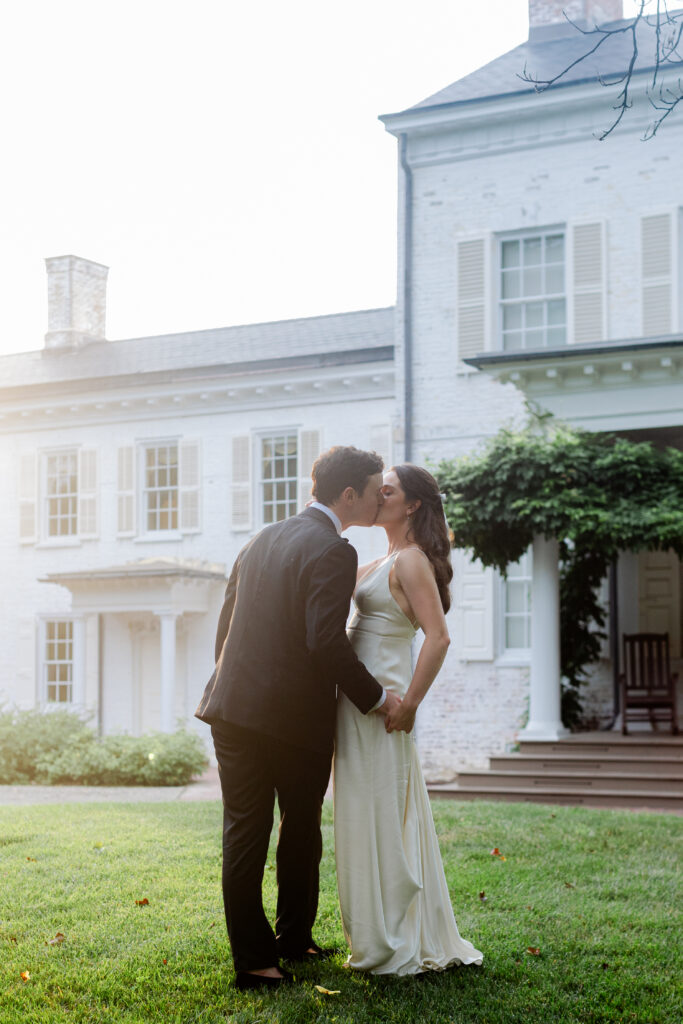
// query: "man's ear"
[[348, 495]]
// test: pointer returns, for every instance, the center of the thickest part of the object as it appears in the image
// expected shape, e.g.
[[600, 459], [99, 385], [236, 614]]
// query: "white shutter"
[[472, 298], [126, 492], [474, 608], [87, 493], [309, 450], [659, 596], [380, 442], [588, 279], [241, 483], [657, 274], [28, 494], [189, 477]]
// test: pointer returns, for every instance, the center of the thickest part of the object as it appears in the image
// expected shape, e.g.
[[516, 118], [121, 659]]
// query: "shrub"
[[58, 747]]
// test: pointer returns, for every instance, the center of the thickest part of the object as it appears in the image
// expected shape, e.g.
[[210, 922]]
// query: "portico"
[[154, 619], [633, 388]]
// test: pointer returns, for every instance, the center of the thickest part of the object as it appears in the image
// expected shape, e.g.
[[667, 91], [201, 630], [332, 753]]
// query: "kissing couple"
[[292, 686]]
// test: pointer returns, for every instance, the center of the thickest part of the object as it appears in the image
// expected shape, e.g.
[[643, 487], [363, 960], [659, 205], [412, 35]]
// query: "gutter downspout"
[[407, 299]]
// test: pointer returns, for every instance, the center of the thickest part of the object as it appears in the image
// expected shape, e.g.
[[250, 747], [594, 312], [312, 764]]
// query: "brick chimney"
[[547, 17], [76, 302]]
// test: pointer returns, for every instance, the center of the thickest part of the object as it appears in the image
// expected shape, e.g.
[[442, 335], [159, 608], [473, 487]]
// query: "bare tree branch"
[[667, 28]]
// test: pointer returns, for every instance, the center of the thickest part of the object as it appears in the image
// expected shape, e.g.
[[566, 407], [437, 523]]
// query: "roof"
[[145, 568], [544, 55], [245, 345]]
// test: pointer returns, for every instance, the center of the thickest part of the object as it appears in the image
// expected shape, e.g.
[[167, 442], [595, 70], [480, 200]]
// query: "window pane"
[[533, 314], [511, 284], [554, 249], [534, 339], [556, 336], [555, 312], [515, 632], [516, 597], [513, 341], [512, 318], [510, 254], [532, 281], [532, 252], [554, 279]]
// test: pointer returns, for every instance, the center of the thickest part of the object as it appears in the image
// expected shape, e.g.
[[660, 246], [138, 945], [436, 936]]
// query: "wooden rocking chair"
[[648, 688]]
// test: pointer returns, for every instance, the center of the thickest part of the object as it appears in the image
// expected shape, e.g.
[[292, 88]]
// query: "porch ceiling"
[[611, 386]]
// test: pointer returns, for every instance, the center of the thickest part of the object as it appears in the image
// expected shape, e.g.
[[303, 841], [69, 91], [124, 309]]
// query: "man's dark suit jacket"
[[281, 646]]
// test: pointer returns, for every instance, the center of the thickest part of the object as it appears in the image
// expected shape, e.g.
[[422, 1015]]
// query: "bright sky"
[[222, 157]]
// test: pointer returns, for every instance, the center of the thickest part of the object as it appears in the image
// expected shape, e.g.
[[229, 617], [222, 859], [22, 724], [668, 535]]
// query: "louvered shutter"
[[380, 442], [189, 478], [474, 608], [656, 271], [28, 504], [241, 483], [126, 492], [588, 272], [309, 450], [472, 278], [87, 493]]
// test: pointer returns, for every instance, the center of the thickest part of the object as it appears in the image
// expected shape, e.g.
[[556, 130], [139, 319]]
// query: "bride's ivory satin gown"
[[396, 910]]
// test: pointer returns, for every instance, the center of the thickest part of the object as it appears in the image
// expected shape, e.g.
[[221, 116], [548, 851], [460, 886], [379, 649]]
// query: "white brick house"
[[532, 259]]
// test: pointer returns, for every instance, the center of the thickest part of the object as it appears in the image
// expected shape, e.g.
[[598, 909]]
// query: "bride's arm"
[[414, 573]]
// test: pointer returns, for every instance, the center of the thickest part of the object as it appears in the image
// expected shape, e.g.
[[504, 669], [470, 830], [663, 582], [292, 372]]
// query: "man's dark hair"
[[342, 467]]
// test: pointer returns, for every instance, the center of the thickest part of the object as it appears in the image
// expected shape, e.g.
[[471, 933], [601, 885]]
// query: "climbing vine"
[[596, 493]]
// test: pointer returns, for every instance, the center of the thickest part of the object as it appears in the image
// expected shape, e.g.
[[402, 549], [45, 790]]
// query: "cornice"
[[370, 381]]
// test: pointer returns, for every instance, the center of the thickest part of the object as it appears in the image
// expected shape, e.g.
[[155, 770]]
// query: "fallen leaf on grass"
[[328, 991], [164, 961], [32, 859], [605, 966], [502, 857], [212, 925], [25, 975], [534, 950], [58, 939], [482, 896], [144, 902], [495, 852], [570, 885]]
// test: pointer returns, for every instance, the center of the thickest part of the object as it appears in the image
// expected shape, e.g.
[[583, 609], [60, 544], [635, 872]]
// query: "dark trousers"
[[254, 767]]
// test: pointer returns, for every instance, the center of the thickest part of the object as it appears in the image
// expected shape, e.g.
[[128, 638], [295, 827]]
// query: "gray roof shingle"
[[222, 346], [544, 57]]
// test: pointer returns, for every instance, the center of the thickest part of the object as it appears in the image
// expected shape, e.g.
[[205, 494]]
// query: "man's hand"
[[397, 717]]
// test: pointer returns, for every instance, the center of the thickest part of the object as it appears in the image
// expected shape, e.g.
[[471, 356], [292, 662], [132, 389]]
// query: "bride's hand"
[[401, 718]]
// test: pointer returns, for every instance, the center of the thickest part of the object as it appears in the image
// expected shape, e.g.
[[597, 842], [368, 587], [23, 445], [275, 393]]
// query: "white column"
[[545, 722], [168, 645], [78, 663]]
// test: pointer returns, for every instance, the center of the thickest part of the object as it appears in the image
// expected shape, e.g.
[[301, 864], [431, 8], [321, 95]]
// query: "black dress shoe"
[[244, 980], [306, 956]]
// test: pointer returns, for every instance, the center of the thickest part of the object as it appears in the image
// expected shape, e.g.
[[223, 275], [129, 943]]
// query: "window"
[[279, 476], [58, 663], [161, 487], [533, 308], [61, 494], [517, 605]]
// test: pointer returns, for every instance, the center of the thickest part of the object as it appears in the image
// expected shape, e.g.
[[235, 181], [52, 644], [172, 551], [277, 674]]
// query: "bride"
[[396, 910]]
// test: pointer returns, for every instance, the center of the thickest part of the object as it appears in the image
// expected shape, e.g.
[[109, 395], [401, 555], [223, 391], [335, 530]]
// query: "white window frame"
[[45, 662], [514, 655], [521, 236], [44, 498], [144, 533], [264, 435]]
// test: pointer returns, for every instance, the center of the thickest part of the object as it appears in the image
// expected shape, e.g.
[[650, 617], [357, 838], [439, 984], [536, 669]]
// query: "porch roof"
[[630, 384]]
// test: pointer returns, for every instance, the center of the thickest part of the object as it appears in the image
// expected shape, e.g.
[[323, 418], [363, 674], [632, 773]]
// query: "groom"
[[281, 653]]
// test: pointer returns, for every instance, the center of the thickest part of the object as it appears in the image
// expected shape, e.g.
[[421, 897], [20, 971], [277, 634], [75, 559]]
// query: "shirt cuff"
[[379, 703]]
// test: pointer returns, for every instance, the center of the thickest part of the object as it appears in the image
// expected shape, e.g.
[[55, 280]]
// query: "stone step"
[[594, 744], [646, 801], [559, 781], [587, 762]]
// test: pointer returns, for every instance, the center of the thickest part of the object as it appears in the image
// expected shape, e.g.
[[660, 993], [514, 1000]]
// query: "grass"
[[593, 891]]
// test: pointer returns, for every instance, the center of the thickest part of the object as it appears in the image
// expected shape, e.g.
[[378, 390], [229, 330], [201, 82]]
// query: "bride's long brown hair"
[[427, 524]]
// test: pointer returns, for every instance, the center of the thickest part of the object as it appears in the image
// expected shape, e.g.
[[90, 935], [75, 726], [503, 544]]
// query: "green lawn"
[[593, 891]]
